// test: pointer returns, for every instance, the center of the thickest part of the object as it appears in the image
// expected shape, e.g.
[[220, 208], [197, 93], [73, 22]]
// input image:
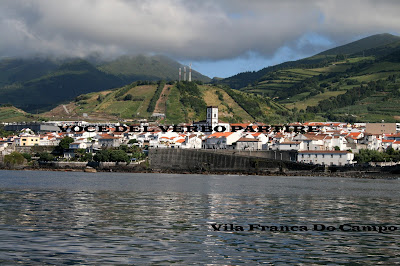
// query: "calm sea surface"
[[115, 218]]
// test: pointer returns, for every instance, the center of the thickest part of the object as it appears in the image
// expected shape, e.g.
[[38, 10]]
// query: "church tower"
[[212, 115]]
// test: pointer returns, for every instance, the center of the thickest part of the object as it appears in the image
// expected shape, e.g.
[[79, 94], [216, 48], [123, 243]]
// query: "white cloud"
[[199, 30]]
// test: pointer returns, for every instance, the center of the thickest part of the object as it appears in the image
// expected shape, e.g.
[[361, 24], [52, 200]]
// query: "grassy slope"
[[109, 105], [115, 105], [12, 114], [228, 108], [283, 79]]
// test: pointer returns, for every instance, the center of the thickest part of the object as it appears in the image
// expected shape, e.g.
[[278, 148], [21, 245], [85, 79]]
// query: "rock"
[[89, 169]]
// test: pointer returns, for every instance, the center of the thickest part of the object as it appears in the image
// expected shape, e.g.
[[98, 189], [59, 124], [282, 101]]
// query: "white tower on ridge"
[[180, 74], [212, 115], [184, 73], [190, 72]]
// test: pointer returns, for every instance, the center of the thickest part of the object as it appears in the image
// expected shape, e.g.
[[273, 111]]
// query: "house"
[[107, 141], [248, 144], [192, 142], [221, 140], [27, 140], [289, 145], [380, 128], [326, 157], [311, 141], [396, 145], [373, 141], [77, 145]]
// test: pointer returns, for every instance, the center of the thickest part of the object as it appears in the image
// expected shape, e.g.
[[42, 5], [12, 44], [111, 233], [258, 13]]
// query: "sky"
[[219, 37]]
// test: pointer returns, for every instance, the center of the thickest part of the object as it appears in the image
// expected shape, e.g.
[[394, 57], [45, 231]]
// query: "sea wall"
[[217, 161], [289, 156]]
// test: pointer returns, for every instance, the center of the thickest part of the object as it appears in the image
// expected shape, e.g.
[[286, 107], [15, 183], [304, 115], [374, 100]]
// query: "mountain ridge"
[[49, 81], [382, 41]]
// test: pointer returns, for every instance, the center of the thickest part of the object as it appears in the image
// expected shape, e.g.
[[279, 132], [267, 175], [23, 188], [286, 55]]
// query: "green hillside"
[[12, 114], [39, 84], [367, 43], [68, 81], [350, 87], [372, 47], [184, 102], [152, 68], [20, 70]]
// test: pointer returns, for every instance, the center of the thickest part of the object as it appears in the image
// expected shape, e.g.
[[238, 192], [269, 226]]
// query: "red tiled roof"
[[106, 136], [220, 134]]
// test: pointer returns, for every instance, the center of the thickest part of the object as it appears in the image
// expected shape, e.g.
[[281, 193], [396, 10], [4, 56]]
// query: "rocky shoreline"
[[141, 169]]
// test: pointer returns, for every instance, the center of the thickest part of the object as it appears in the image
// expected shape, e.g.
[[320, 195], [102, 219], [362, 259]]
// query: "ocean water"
[[49, 218]]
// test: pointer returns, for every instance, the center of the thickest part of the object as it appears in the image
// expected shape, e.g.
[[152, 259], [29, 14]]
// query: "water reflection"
[[119, 227], [167, 219]]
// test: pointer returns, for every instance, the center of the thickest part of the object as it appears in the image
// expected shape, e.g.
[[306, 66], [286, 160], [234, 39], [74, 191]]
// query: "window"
[[23, 139], [215, 115], [331, 155], [323, 155], [340, 156], [302, 156], [316, 156]]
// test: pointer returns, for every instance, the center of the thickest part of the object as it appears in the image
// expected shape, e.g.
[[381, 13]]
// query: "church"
[[212, 121]]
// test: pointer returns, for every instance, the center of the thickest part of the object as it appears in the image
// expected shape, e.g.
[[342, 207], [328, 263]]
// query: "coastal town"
[[330, 143]]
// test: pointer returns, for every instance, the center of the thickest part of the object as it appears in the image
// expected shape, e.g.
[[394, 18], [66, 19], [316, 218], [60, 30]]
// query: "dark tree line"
[[156, 96]]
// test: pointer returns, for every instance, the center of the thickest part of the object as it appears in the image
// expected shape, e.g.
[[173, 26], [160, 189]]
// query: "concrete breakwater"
[[220, 161]]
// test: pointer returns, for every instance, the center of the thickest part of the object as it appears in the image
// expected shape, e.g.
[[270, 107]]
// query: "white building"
[[339, 158], [192, 142], [78, 145], [290, 145], [248, 144], [221, 140]]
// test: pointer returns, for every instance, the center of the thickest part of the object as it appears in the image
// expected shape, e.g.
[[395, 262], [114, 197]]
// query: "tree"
[[132, 141], [14, 158], [100, 98], [128, 97], [27, 156], [64, 143], [119, 156], [86, 157], [45, 157], [4, 133], [102, 156]]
